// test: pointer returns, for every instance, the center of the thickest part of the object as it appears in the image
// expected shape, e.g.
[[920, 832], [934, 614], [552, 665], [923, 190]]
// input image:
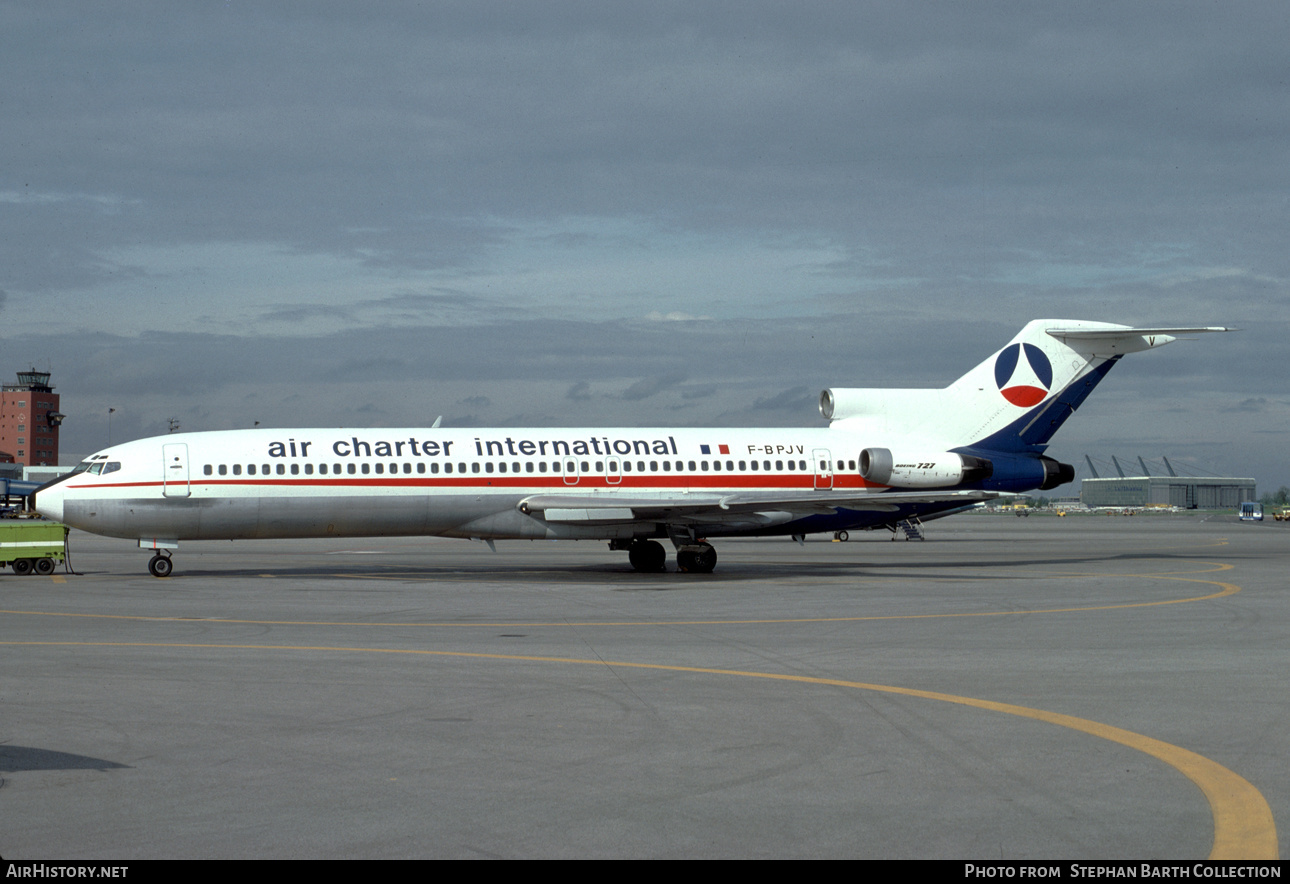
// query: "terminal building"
[[29, 421], [1184, 492]]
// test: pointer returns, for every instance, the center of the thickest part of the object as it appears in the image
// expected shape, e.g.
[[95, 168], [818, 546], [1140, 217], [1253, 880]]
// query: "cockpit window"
[[111, 466], [96, 468]]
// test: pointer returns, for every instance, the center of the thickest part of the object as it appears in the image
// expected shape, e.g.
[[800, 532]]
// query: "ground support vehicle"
[[32, 546]]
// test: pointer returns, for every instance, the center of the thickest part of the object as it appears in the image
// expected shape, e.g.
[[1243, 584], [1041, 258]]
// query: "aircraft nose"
[[49, 503]]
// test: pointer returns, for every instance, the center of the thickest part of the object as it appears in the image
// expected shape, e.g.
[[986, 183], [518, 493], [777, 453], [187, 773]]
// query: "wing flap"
[[589, 514], [707, 508]]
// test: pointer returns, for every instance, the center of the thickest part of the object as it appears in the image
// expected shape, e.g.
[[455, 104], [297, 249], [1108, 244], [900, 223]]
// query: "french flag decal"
[[721, 449]]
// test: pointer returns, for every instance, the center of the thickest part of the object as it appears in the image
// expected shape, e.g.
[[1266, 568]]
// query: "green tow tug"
[[32, 546]]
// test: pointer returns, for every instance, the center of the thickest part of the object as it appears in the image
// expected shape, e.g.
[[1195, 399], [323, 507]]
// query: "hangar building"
[[1185, 492]]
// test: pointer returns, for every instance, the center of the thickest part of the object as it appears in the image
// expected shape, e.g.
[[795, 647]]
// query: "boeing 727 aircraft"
[[886, 455]]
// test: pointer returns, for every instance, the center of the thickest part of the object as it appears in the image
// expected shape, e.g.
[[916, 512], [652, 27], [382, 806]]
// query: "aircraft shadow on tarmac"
[[622, 577], [16, 759]]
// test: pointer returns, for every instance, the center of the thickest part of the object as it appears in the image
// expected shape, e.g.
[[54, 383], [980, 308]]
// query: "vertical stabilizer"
[[1014, 401]]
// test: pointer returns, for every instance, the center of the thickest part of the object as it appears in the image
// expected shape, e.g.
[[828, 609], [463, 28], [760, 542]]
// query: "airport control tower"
[[29, 420]]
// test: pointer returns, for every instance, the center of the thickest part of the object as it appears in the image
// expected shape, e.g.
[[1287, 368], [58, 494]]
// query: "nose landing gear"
[[160, 565]]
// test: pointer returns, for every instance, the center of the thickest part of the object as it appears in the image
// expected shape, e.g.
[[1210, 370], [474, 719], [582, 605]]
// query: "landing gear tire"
[[22, 567], [698, 558], [160, 566], [647, 556], [841, 536], [44, 567]]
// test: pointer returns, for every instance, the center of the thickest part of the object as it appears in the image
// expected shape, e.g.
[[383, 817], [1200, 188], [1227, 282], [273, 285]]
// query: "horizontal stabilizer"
[[1125, 340]]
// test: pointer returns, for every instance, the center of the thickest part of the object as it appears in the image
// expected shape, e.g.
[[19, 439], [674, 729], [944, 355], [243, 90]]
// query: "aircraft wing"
[[764, 507]]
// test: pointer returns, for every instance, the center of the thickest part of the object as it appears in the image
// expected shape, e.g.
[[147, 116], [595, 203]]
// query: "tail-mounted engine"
[[922, 470], [1056, 473]]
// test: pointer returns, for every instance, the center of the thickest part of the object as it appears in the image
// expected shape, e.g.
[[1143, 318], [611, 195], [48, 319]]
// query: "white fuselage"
[[452, 482]]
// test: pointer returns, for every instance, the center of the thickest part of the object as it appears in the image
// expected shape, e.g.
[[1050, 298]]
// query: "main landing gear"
[[696, 558], [160, 565], [649, 556]]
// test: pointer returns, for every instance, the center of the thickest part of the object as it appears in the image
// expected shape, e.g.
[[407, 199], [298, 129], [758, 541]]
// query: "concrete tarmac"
[[1090, 687]]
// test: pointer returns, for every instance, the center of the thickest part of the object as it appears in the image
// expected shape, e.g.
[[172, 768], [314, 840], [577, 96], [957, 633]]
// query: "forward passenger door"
[[174, 470]]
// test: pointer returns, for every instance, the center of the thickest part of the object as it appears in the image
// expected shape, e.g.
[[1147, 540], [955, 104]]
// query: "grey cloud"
[[948, 171], [796, 399], [647, 387], [1253, 405]]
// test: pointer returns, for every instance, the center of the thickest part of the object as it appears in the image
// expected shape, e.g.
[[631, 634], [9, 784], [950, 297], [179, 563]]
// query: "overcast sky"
[[563, 213]]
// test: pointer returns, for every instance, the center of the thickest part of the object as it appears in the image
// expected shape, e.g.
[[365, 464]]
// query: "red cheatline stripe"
[[805, 481]]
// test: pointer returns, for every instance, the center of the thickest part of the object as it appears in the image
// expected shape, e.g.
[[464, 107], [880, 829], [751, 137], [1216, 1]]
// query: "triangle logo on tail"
[[1023, 374]]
